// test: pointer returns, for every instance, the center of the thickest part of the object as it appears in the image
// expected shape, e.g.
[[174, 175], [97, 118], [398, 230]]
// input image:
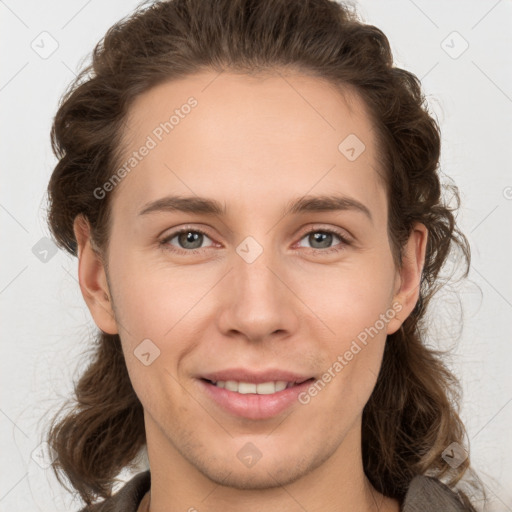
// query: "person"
[[252, 190]]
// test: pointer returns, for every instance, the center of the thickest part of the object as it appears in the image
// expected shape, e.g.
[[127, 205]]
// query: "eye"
[[187, 239], [321, 240]]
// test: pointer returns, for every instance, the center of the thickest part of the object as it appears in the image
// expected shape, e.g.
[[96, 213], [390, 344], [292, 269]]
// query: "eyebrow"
[[326, 203], [203, 205]]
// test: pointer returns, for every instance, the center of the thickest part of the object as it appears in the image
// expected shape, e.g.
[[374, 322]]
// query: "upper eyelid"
[[176, 231]]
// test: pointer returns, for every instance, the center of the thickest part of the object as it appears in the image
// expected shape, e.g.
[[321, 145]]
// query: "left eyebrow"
[[326, 203]]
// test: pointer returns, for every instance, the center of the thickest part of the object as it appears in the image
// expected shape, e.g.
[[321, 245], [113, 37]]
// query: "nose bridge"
[[260, 303], [254, 281]]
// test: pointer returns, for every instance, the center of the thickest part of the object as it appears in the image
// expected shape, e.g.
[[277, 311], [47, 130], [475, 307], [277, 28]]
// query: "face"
[[274, 286]]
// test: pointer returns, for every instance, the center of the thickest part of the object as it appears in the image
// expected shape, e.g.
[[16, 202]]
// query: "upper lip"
[[256, 377]]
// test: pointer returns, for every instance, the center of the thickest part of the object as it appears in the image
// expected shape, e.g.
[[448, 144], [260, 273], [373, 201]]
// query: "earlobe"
[[409, 277], [92, 278]]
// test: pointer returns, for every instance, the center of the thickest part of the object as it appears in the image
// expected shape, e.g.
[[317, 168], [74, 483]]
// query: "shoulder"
[[427, 493], [126, 499]]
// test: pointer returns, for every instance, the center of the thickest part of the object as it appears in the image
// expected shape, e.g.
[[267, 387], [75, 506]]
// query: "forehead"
[[242, 137]]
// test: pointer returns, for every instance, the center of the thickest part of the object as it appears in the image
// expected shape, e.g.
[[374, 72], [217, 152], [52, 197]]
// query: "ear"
[[407, 283], [92, 278]]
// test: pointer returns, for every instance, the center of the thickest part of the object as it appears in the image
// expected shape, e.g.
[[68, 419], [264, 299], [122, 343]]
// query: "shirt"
[[425, 494]]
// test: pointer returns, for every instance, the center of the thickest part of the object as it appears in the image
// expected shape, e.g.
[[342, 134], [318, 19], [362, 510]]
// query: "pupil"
[[190, 236], [319, 236]]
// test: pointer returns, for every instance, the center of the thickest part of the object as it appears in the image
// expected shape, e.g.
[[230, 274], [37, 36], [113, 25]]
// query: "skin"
[[254, 144]]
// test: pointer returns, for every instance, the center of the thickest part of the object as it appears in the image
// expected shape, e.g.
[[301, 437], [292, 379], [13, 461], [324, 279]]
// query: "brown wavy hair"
[[412, 414]]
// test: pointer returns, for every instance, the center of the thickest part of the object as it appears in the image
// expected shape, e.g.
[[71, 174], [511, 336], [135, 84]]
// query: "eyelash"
[[164, 244]]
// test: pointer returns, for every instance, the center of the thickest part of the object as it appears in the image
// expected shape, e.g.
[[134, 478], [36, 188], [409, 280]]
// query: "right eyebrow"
[[190, 204]]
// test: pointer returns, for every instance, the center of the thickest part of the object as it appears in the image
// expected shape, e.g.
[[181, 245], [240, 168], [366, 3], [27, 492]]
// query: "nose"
[[259, 302]]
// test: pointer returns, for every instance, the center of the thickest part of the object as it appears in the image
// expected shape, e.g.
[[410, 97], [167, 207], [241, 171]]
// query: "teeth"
[[231, 385], [246, 387], [265, 388]]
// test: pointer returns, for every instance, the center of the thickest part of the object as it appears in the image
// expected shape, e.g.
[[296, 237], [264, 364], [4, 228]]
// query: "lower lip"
[[252, 405]]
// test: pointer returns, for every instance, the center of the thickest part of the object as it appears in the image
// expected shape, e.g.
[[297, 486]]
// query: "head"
[[292, 121]]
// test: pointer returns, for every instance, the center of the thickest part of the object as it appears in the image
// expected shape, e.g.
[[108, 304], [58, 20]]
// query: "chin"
[[252, 479], [266, 473]]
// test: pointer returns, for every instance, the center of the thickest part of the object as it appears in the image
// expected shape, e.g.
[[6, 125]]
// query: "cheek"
[[158, 311], [150, 300], [359, 312], [354, 361], [350, 297]]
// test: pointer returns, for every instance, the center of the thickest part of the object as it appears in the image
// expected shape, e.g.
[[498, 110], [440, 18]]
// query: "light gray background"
[[45, 323]]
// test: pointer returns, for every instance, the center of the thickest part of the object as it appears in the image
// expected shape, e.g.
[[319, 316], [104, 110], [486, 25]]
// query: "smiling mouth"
[[260, 400]]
